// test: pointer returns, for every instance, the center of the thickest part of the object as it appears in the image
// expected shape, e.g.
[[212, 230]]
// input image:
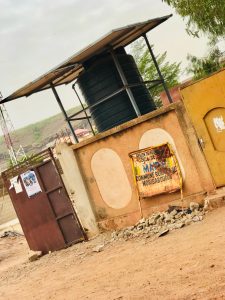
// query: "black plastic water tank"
[[101, 78]]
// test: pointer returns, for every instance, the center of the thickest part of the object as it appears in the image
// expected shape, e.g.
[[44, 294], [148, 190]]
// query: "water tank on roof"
[[100, 78]]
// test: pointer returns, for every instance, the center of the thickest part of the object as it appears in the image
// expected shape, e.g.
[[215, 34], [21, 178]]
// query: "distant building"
[[174, 92]]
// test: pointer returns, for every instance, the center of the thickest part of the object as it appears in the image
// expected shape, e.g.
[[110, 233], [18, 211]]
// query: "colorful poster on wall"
[[156, 170], [31, 183]]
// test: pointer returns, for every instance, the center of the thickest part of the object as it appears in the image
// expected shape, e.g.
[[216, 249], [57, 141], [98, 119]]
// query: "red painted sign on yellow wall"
[[156, 170]]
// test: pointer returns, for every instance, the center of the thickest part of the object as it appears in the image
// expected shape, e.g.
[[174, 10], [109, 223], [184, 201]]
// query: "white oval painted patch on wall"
[[111, 178], [158, 136]]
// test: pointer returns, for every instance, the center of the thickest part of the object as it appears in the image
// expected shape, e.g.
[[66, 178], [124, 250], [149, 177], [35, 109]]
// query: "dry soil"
[[188, 263]]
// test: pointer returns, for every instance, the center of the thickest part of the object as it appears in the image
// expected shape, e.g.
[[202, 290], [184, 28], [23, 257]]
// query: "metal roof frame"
[[70, 69]]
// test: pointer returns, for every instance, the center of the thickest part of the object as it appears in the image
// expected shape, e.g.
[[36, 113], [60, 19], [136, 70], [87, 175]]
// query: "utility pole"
[[15, 155]]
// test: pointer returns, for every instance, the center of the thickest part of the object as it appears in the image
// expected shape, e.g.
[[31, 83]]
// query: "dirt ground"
[[188, 263]]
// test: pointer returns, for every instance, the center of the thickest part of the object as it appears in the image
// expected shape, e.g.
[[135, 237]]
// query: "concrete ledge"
[[156, 113], [215, 199]]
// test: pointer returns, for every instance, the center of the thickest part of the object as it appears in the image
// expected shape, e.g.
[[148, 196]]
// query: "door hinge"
[[201, 143]]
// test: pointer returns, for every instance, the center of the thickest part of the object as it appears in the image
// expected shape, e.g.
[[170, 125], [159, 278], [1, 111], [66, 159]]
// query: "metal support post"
[[63, 111], [125, 83], [84, 110], [157, 68]]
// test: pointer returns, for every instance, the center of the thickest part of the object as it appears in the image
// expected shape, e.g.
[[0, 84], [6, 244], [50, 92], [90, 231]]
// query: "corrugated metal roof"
[[69, 70]]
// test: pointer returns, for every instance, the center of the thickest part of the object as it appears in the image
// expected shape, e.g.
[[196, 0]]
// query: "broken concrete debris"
[[160, 223], [10, 234], [98, 248], [194, 206]]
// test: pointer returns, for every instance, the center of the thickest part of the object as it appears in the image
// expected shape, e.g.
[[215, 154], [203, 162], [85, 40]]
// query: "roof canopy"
[[69, 70]]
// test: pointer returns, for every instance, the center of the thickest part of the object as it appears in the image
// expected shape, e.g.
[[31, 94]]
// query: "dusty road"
[[188, 263]]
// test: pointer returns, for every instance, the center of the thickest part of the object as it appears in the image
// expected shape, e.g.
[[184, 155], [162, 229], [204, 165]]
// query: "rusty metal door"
[[47, 218], [205, 103]]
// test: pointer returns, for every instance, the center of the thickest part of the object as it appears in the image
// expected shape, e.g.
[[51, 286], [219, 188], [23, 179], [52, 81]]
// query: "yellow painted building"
[[205, 103]]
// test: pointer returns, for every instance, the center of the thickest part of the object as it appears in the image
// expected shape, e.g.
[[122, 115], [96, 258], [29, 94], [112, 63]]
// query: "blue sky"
[[39, 34]]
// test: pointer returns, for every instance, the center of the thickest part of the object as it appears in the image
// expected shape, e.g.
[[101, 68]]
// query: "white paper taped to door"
[[31, 183], [15, 183]]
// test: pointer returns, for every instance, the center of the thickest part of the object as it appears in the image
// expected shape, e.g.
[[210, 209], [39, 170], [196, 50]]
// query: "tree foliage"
[[202, 67], [37, 133], [207, 16], [170, 71]]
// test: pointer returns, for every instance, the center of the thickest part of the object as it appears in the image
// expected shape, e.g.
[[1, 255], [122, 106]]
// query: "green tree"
[[202, 67], [206, 16], [170, 71]]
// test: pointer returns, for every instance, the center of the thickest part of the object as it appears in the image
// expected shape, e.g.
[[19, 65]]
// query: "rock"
[[188, 216], [168, 218], [127, 233], [142, 221], [174, 207], [151, 221], [149, 229], [149, 235], [171, 226], [193, 214], [187, 222], [194, 206], [179, 225], [188, 211], [98, 248], [114, 235], [178, 215], [130, 228], [160, 222], [120, 234], [10, 234], [155, 230], [35, 256], [140, 227], [173, 212], [195, 219], [157, 216], [163, 232]]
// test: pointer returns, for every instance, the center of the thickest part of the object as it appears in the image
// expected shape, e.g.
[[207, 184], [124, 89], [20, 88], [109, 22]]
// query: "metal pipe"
[[156, 82], [82, 105], [63, 111], [78, 119], [125, 83], [157, 68], [99, 102]]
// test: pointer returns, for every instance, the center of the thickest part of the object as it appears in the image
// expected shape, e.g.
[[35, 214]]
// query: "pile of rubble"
[[161, 223], [10, 234]]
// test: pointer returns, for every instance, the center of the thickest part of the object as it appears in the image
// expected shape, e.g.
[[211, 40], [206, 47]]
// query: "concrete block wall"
[[104, 164]]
